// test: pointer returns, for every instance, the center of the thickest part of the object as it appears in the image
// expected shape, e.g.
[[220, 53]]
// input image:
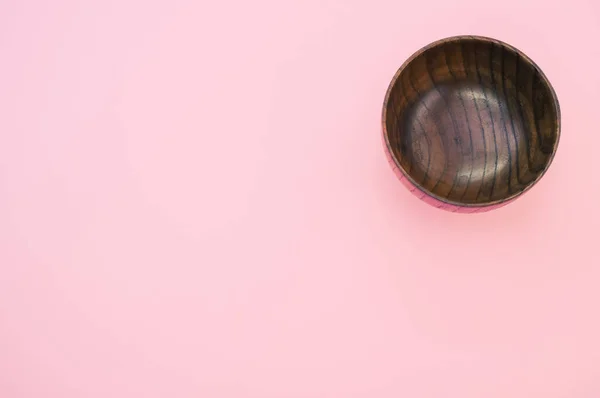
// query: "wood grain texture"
[[470, 122]]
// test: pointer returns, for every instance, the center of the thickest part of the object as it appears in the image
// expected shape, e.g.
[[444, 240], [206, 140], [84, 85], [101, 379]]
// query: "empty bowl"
[[470, 123]]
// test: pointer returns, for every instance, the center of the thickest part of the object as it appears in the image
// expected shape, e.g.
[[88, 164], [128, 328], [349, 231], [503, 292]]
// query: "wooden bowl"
[[470, 123]]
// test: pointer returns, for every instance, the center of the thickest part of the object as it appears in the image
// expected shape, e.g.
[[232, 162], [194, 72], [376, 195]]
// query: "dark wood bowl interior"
[[471, 121]]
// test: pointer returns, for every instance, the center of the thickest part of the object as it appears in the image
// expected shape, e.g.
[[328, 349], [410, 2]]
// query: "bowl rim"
[[485, 39]]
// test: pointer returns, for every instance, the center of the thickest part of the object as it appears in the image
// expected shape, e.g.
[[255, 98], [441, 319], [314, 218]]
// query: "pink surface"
[[195, 202]]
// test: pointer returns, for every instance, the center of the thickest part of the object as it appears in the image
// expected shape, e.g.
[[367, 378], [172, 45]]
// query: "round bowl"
[[470, 123]]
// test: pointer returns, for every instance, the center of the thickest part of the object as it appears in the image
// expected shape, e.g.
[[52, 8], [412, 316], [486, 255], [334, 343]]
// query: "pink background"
[[195, 202]]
